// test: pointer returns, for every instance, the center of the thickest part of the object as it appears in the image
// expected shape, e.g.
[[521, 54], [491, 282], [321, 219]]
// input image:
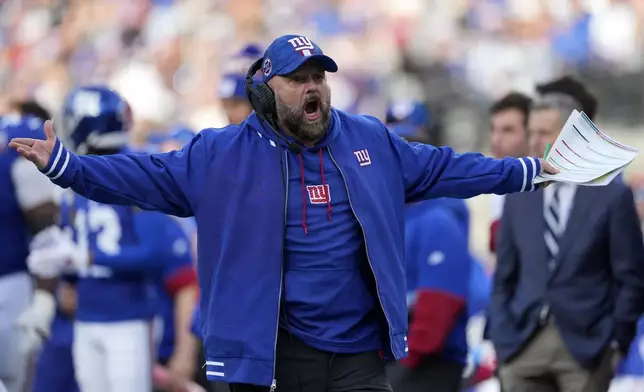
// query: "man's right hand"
[[36, 150]]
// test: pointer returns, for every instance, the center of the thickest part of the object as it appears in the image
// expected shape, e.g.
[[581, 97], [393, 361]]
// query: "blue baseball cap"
[[251, 51], [232, 86], [288, 52], [411, 112]]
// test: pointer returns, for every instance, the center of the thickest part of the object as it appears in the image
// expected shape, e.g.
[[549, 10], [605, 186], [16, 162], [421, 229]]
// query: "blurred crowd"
[[165, 56]]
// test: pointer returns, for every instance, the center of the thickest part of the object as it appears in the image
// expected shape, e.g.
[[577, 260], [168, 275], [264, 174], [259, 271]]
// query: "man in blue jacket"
[[301, 212]]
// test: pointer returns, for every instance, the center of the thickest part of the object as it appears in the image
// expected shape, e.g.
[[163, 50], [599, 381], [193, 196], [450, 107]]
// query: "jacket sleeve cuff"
[[530, 168], [61, 166], [184, 277]]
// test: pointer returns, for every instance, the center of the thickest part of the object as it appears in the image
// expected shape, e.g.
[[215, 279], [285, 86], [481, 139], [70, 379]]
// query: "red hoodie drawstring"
[[326, 191]]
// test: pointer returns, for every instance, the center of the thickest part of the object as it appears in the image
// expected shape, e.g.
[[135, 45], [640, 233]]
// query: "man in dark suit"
[[569, 283]]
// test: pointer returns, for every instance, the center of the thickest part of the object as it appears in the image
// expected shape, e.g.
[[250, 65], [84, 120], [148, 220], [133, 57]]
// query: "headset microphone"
[[293, 147], [262, 100]]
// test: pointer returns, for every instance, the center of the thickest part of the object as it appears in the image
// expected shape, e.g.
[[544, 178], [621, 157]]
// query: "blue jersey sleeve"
[[152, 182], [442, 255], [431, 172], [480, 288], [179, 271], [152, 250]]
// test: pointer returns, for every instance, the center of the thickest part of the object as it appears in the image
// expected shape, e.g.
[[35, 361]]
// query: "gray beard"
[[290, 118]]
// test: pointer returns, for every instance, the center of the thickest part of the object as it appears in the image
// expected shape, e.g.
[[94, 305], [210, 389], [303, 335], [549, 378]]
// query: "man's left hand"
[[546, 168]]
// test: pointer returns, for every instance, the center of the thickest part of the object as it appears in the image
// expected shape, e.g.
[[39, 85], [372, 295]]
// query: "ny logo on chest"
[[319, 194], [363, 157]]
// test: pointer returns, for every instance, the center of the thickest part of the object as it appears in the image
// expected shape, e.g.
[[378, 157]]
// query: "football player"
[[178, 290], [27, 206], [117, 252]]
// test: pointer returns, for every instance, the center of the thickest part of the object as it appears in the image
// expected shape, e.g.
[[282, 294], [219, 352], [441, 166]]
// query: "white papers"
[[584, 155]]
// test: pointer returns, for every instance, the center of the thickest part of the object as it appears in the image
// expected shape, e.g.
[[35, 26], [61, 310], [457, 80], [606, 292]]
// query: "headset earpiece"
[[262, 100], [269, 96], [260, 96]]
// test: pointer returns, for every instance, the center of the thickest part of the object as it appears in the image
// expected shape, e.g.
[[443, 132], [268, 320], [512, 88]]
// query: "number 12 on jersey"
[[103, 223]]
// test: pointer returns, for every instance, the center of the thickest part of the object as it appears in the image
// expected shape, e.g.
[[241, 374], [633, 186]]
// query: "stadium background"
[[165, 57]]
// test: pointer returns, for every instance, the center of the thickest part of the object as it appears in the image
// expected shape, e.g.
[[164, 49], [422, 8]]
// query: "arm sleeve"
[[179, 278], [149, 252], [431, 172], [627, 262], [149, 181], [443, 281], [179, 272], [31, 187]]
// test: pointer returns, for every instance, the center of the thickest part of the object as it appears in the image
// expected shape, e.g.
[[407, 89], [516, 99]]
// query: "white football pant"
[[15, 295], [113, 357]]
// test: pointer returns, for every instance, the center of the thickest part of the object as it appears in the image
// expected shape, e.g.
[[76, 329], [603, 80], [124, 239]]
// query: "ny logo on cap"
[[302, 45]]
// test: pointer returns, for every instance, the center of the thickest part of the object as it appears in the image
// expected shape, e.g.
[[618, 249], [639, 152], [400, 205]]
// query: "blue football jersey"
[[177, 273], [62, 327], [21, 188], [105, 293]]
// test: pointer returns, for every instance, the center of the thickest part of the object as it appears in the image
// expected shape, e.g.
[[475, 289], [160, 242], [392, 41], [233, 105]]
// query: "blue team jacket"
[[231, 180]]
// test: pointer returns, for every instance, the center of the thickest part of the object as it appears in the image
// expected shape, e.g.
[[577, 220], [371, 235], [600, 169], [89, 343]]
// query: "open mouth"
[[312, 109]]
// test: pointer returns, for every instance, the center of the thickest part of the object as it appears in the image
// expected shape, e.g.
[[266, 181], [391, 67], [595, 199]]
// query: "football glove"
[[34, 323], [54, 251]]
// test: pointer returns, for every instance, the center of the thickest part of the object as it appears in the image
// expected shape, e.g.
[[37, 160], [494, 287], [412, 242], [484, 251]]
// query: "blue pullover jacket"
[[232, 181]]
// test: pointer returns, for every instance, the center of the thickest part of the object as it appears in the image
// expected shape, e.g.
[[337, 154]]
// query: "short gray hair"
[[563, 103]]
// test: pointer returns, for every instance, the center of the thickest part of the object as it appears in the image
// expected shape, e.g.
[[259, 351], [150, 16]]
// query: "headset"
[[262, 99]]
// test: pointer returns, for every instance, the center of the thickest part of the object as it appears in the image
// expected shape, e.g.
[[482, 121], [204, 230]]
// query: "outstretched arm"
[[431, 172], [151, 182]]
